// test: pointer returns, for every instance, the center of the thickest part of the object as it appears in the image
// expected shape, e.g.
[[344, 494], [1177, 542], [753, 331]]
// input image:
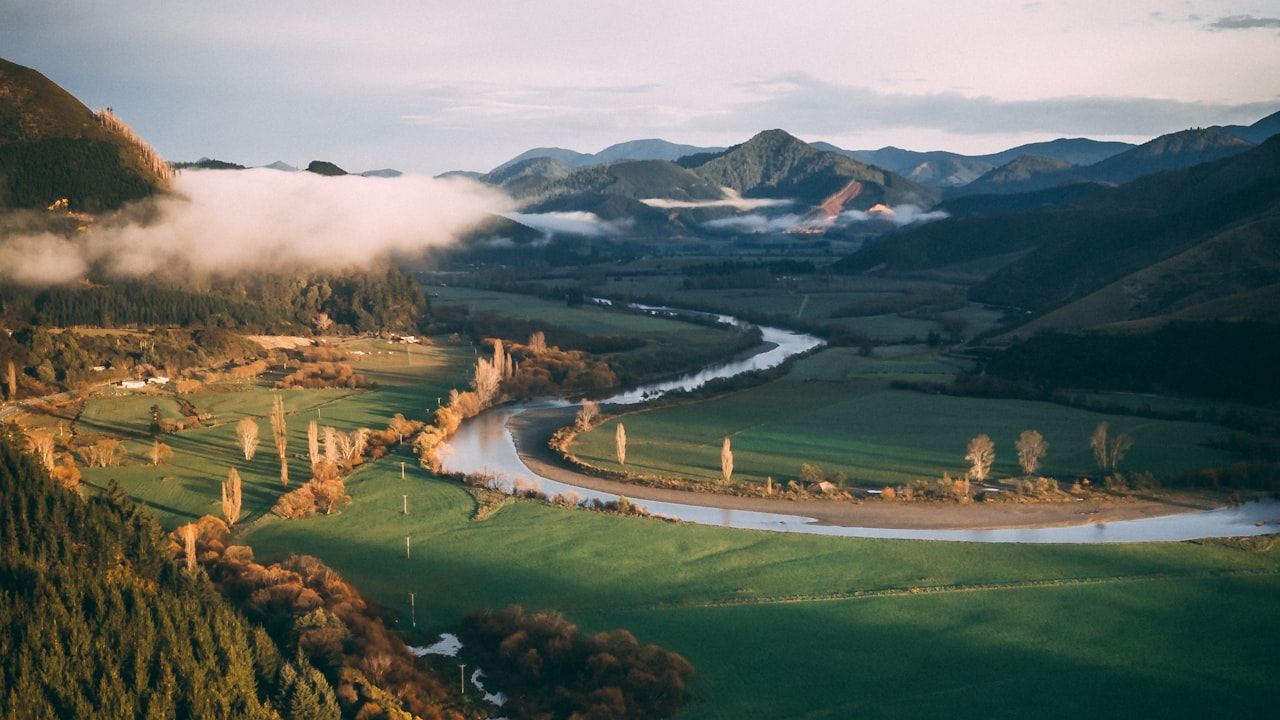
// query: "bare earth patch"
[[281, 342]]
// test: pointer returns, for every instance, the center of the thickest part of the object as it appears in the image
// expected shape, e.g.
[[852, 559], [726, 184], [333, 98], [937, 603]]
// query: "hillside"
[[953, 170], [774, 164], [1053, 257], [647, 149], [1174, 151], [53, 148], [1026, 173]]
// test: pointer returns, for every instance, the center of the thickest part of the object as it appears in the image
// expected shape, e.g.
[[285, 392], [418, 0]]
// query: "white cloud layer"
[[226, 222]]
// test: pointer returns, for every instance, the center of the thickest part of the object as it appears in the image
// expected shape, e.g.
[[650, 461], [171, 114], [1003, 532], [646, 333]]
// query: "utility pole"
[[406, 547], [406, 504], [413, 611], [462, 677]]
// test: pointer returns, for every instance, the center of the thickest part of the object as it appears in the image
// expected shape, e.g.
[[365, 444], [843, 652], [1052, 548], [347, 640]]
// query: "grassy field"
[[408, 382], [836, 410], [777, 625], [793, 626]]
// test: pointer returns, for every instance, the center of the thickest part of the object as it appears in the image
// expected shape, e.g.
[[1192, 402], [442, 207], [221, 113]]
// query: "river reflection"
[[483, 444]]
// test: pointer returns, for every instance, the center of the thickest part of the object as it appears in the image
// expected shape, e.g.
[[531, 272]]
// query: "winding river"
[[483, 444]]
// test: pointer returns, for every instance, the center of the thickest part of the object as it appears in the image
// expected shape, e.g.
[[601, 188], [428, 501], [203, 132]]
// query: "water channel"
[[483, 444]]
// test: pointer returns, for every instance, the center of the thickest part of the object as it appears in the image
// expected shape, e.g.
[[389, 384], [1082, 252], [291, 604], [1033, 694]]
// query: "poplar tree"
[[231, 497], [620, 439], [279, 430], [313, 442], [726, 461]]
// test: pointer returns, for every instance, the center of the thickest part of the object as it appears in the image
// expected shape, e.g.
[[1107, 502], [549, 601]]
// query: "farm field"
[[837, 410]]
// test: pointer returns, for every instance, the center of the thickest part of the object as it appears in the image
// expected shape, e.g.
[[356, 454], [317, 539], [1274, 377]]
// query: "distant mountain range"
[[1194, 243]]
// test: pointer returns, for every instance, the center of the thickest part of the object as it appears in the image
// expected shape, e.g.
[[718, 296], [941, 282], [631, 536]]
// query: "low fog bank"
[[880, 215], [221, 223]]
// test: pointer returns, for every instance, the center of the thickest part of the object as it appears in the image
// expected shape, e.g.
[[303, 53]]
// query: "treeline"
[[1218, 360], [549, 669], [352, 301], [737, 275], [95, 620]]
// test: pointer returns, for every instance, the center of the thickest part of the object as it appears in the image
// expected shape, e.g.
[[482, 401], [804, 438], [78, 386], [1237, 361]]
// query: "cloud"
[[811, 107], [732, 199], [881, 215], [569, 223], [228, 222], [1244, 22]]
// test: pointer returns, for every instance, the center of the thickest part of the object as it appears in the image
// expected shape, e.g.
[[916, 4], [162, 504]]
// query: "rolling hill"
[[1174, 151], [774, 164], [1178, 243], [54, 150]]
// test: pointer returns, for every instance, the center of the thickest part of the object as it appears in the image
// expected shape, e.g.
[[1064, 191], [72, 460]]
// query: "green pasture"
[[798, 626], [836, 410], [777, 625], [189, 486], [588, 319]]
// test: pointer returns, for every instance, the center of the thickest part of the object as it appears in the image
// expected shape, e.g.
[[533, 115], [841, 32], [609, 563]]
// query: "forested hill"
[[54, 151], [95, 620]]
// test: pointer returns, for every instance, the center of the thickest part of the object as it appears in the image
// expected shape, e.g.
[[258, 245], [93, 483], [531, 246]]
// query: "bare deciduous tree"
[[247, 434], [231, 497], [279, 430], [322, 322], [1120, 444], [1031, 449], [313, 442], [980, 454], [486, 380], [726, 461], [331, 451], [537, 343], [587, 415], [1098, 441], [620, 440], [188, 534], [11, 381], [108, 452], [160, 453], [1108, 452], [41, 444]]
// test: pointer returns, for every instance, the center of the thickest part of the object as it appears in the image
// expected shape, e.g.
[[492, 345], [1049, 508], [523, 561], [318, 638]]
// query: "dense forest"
[[97, 622], [360, 301], [1219, 360]]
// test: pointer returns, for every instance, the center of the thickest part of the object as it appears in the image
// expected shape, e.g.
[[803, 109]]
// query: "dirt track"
[[532, 429]]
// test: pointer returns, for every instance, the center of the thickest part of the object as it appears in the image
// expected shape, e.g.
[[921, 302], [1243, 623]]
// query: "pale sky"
[[427, 86]]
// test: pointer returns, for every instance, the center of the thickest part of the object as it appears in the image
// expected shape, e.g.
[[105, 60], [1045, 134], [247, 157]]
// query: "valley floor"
[[531, 430]]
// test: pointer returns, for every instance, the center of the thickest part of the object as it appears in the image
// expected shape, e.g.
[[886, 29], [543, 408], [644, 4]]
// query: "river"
[[483, 444]]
